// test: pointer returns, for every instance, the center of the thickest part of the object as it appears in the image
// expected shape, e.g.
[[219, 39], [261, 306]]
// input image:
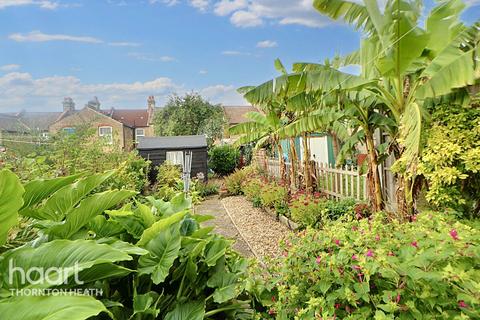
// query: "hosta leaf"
[[38, 190], [158, 226], [166, 208], [62, 201], [225, 286], [164, 248], [194, 310], [104, 228], [87, 210], [68, 255], [144, 304], [215, 250], [51, 308], [11, 201]]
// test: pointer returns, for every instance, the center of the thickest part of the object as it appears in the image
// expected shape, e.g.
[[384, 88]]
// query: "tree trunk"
[[293, 165], [306, 163], [373, 175], [282, 162], [336, 144]]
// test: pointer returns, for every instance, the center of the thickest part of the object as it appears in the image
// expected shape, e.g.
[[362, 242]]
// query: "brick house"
[[121, 127]]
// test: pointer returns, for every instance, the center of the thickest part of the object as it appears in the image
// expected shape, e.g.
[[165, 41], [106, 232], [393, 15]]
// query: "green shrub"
[[273, 195], [234, 182], [151, 261], [307, 210], [168, 174], [223, 159], [252, 188], [373, 268], [132, 174], [207, 189]]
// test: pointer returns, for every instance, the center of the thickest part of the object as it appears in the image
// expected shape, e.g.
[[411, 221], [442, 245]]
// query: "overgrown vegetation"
[[223, 159]]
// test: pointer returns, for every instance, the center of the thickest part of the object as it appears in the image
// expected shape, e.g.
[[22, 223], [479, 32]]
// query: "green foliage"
[[451, 160], [375, 269], [223, 159], [151, 261], [234, 182], [252, 189], [314, 210], [190, 115], [207, 189], [273, 195], [79, 153]]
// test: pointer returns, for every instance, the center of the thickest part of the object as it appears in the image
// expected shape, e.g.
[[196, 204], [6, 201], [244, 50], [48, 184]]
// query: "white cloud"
[[150, 57], [38, 36], [203, 72], [235, 53], [23, 91], [226, 7], [267, 44], [201, 5], [167, 2], [9, 67], [224, 94], [124, 44], [245, 19], [44, 4]]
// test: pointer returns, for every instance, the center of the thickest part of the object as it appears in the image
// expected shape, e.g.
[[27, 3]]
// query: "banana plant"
[[409, 64]]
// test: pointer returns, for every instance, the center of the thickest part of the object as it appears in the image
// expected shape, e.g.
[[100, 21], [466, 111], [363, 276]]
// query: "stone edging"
[[283, 220]]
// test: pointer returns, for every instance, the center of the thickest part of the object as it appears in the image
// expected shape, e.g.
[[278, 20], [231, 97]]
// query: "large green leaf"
[[166, 208], [50, 308], [194, 310], [215, 250], [38, 190], [452, 68], [164, 249], [225, 285], [158, 226], [11, 201], [87, 210], [350, 11], [62, 201], [70, 256]]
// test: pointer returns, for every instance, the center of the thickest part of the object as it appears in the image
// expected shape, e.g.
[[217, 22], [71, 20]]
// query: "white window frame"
[[108, 137], [139, 135], [175, 157]]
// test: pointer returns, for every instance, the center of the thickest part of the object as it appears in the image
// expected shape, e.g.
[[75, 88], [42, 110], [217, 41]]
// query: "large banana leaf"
[[38, 190], [164, 249], [87, 210], [70, 256], [62, 201], [11, 201], [50, 308], [194, 310], [452, 68], [350, 11], [411, 133]]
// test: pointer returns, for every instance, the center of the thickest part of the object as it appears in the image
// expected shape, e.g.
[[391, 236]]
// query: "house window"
[[139, 132], [106, 133], [45, 135], [175, 157], [69, 130]]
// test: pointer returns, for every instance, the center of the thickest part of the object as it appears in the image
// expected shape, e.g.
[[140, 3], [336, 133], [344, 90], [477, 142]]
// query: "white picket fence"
[[336, 182]]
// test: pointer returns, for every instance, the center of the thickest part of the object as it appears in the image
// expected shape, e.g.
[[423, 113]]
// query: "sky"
[[122, 51]]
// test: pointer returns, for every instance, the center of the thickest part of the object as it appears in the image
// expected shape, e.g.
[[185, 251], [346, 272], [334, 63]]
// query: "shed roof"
[[236, 114], [173, 142]]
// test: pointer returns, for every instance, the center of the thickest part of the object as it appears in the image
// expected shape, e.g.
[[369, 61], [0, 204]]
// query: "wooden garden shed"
[[160, 149]]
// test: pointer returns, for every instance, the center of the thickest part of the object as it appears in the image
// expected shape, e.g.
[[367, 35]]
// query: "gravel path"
[[223, 224], [262, 231]]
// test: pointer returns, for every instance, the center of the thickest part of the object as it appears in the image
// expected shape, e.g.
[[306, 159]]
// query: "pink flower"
[[454, 234], [377, 238], [337, 242], [319, 259], [357, 267], [369, 253], [414, 244], [354, 257], [462, 304], [354, 228], [391, 254], [398, 298]]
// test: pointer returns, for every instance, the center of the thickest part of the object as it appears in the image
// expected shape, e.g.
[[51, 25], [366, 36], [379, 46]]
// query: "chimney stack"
[[68, 104], [150, 108], [94, 104]]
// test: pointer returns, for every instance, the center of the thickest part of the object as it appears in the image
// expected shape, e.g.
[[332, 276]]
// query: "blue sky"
[[125, 50]]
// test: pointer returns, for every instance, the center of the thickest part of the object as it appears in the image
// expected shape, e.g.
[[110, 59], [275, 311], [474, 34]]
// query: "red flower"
[[398, 298], [454, 234], [337, 305], [377, 238], [337, 242], [354, 257], [369, 253], [319, 259], [414, 244], [462, 304], [272, 312]]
